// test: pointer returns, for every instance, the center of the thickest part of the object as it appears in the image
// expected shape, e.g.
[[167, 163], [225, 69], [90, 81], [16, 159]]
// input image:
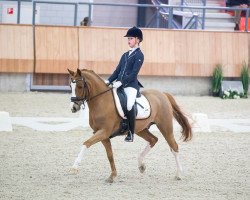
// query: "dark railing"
[[169, 14], [202, 12]]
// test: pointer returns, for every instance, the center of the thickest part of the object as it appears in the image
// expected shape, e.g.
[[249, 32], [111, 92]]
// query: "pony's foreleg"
[[179, 167], [78, 160], [97, 137], [107, 144]]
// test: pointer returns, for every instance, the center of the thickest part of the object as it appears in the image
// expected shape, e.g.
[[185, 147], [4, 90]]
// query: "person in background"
[[237, 4], [85, 21]]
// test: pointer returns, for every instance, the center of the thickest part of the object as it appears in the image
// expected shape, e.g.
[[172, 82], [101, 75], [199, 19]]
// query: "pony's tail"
[[187, 133]]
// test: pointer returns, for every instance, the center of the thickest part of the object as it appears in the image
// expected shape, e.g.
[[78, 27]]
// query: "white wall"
[[52, 14], [116, 16]]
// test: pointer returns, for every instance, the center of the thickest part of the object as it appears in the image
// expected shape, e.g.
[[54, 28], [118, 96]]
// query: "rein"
[[85, 85], [100, 94]]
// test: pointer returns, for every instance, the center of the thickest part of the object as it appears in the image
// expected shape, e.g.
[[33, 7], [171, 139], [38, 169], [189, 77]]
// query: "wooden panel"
[[160, 54], [16, 48], [167, 52], [100, 49], [205, 53], [56, 49], [199, 68], [244, 51], [180, 53]]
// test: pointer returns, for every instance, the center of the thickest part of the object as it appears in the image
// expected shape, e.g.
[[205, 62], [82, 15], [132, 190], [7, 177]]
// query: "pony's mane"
[[91, 72]]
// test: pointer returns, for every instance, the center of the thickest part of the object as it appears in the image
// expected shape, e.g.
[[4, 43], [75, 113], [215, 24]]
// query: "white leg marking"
[[79, 157], [179, 167], [143, 154]]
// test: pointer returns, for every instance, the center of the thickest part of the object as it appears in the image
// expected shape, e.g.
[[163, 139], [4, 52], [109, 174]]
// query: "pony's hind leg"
[[179, 167], [152, 140], [166, 129]]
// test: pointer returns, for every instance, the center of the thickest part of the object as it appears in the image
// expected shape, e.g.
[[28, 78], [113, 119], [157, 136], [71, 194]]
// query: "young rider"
[[125, 75]]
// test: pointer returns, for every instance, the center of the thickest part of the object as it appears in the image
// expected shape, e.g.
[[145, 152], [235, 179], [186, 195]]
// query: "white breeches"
[[131, 95]]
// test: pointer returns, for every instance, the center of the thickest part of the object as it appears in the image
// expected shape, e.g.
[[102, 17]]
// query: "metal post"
[[170, 18], [157, 20], [34, 13], [203, 15], [18, 11], [182, 3], [196, 21], [90, 15], [75, 14]]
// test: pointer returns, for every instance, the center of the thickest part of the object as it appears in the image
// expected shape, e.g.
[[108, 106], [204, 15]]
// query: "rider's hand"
[[107, 82], [117, 84]]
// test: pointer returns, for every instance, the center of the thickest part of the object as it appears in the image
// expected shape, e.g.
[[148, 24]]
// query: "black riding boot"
[[131, 122]]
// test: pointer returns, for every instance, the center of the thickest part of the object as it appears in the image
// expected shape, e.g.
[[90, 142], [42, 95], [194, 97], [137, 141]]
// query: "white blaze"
[[73, 93]]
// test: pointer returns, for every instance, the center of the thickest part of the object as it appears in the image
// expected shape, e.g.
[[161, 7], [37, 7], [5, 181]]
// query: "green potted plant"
[[217, 77], [245, 78]]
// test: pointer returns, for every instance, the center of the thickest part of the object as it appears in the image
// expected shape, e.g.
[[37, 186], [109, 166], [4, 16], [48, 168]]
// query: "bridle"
[[85, 87]]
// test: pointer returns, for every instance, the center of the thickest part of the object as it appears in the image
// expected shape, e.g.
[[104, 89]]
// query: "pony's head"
[[79, 90]]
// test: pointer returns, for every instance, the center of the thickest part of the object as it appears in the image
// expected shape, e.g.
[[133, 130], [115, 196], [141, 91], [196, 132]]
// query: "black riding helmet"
[[134, 32]]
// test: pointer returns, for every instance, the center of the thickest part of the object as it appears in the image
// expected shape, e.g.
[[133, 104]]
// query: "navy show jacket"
[[128, 69]]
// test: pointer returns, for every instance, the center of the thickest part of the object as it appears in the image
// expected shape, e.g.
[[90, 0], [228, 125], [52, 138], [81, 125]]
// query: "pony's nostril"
[[73, 109]]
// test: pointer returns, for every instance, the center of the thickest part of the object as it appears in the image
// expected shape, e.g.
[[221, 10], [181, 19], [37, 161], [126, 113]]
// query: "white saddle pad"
[[143, 110]]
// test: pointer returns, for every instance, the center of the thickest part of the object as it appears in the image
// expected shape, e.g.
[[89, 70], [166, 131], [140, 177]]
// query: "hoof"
[[142, 168], [73, 170], [109, 180], [178, 175]]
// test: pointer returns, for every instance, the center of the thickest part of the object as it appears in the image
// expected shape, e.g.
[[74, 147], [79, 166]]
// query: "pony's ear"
[[71, 72], [79, 72]]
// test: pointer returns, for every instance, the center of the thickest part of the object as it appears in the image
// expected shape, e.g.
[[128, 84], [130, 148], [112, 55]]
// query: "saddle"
[[142, 109]]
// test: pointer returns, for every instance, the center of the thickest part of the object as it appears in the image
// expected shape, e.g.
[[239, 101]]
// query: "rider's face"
[[133, 42]]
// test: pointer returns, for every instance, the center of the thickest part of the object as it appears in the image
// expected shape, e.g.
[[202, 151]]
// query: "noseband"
[[85, 88]]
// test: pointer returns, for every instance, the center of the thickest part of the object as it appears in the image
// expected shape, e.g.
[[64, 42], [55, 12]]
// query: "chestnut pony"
[[88, 87]]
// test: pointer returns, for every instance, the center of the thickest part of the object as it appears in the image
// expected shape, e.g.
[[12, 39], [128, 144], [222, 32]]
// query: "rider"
[[125, 75]]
